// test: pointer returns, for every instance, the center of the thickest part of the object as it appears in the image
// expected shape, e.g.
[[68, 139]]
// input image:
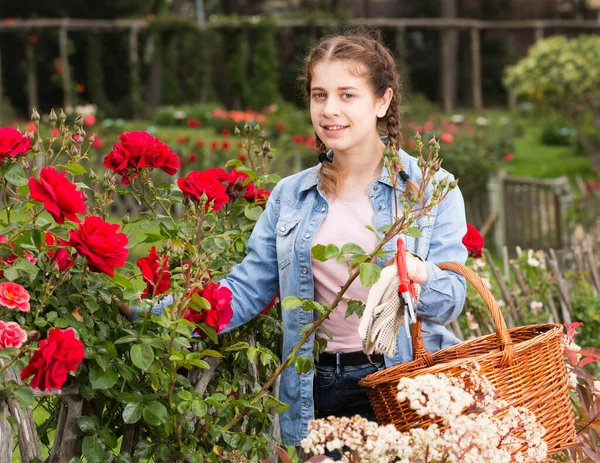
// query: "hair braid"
[[328, 173]]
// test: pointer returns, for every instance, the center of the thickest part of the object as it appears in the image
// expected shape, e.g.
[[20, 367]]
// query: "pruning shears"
[[406, 289]]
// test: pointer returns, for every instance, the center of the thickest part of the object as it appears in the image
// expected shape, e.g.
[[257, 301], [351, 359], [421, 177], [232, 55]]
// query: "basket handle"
[[503, 337]]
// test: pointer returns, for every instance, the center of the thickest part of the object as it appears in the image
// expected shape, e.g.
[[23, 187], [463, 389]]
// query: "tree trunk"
[[131, 436], [67, 432]]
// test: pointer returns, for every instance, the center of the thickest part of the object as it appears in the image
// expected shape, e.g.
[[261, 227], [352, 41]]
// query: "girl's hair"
[[366, 49]]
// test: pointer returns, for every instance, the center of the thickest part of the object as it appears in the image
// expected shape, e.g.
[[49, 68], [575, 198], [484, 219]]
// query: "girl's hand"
[[123, 307], [417, 271]]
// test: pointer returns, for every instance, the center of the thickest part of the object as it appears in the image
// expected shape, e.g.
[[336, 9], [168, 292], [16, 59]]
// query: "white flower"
[[179, 115], [532, 261], [482, 121], [478, 263], [457, 118], [535, 306], [573, 380], [596, 388]]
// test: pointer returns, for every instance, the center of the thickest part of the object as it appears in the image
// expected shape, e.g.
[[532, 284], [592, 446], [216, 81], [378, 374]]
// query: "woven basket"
[[524, 364]]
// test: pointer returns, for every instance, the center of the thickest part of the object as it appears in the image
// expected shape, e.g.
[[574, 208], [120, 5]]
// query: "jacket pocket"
[[286, 233]]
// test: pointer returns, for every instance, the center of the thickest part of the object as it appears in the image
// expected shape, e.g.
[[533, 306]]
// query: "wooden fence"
[[447, 27]]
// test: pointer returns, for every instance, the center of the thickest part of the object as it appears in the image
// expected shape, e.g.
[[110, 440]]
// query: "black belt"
[[343, 359]]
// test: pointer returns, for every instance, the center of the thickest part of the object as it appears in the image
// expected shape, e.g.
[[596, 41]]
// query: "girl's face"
[[343, 108]]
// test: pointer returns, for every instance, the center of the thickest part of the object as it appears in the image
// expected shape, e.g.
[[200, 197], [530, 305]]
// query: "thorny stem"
[[22, 352]]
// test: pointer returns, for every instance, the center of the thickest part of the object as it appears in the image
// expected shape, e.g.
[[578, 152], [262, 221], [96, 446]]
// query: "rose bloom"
[[410, 144], [60, 197], [100, 244], [194, 123], [297, 139], [220, 313], [13, 143], [200, 143], [225, 145], [57, 355], [192, 157], [446, 137], [473, 241], [61, 256], [98, 143], [182, 140], [214, 145], [508, 157], [155, 272], [14, 296], [225, 132], [198, 183], [89, 119], [11, 335]]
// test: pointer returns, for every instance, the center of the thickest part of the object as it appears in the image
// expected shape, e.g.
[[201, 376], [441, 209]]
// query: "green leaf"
[[281, 407], [124, 457], [26, 266], [291, 302], [155, 413], [132, 412], [93, 450], [108, 437], [74, 168], [356, 307], [101, 379], [121, 280], [24, 396], [143, 449], [15, 174], [331, 251], [184, 407], [253, 212], [369, 274], [88, 423], [414, 232], [385, 228], [11, 274], [318, 252], [209, 331], [142, 356], [199, 408], [351, 248], [303, 364]]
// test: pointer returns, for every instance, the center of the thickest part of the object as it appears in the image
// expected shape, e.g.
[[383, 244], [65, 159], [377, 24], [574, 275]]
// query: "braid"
[[328, 174]]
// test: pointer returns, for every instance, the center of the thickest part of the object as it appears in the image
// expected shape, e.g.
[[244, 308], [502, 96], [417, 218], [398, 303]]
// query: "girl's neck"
[[358, 169]]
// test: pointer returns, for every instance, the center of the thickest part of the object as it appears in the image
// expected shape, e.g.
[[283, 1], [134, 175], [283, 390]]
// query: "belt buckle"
[[370, 361]]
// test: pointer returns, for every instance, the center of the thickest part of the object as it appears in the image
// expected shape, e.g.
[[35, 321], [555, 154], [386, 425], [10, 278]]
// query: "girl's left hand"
[[416, 269]]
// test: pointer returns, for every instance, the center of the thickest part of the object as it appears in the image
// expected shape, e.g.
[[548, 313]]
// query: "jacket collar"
[[312, 178]]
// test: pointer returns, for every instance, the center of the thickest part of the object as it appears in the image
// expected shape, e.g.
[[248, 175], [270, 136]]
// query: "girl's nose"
[[330, 108]]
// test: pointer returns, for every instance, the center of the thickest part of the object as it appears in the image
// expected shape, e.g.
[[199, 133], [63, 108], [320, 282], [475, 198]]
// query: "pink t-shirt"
[[345, 223]]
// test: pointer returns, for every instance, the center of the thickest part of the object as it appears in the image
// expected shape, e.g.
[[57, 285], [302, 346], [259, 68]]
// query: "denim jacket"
[[279, 258]]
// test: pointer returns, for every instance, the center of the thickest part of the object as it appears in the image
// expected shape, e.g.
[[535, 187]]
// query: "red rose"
[[446, 137], [182, 140], [473, 241], [194, 123], [193, 157], [225, 132], [155, 272], [100, 244], [200, 143], [140, 150], [270, 305], [61, 256], [311, 142], [508, 157], [57, 355], [262, 195], [198, 183], [13, 143], [410, 144], [214, 145], [30, 127], [98, 143], [428, 126], [89, 120], [14, 296], [220, 313], [234, 185], [60, 197], [297, 139], [11, 335], [241, 156], [225, 145], [280, 126]]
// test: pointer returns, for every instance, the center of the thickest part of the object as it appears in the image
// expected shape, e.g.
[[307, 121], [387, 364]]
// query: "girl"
[[354, 93]]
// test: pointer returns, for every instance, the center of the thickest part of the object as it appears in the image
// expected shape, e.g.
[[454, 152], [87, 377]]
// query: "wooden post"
[[134, 73], [32, 95], [67, 432], [512, 57], [448, 38], [6, 433], [539, 32], [476, 70], [495, 188], [64, 59]]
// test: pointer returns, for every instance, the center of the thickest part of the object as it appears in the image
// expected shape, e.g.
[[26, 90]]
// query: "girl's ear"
[[384, 102]]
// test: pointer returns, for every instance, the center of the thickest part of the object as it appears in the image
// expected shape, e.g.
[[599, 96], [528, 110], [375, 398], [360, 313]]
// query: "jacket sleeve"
[[443, 294], [255, 280]]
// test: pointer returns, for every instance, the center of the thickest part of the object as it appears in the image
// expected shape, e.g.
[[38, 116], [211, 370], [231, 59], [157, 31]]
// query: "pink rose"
[[14, 296], [11, 335]]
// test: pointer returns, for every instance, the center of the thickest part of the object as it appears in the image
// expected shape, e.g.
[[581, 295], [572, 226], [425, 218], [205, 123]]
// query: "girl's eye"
[[347, 96], [318, 95]]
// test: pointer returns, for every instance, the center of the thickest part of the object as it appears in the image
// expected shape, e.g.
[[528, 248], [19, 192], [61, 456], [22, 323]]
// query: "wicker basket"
[[525, 365]]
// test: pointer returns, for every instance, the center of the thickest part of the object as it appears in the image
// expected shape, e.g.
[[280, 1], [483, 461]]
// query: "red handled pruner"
[[406, 288]]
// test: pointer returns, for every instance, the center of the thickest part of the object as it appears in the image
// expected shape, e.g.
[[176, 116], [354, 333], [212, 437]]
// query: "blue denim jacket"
[[279, 258]]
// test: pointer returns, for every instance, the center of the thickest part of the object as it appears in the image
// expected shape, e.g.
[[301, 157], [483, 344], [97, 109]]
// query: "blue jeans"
[[337, 393]]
